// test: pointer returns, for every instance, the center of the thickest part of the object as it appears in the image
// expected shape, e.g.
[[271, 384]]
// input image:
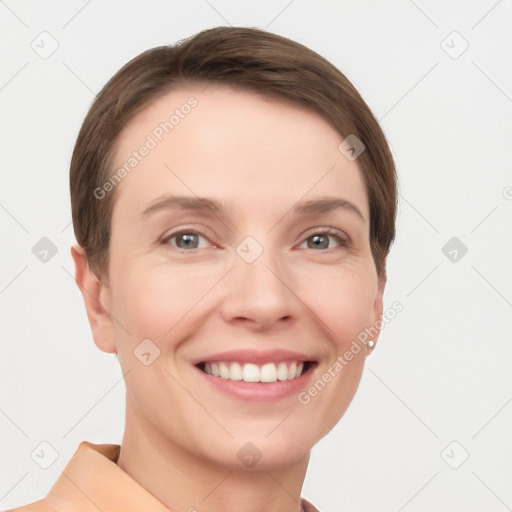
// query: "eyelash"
[[343, 240]]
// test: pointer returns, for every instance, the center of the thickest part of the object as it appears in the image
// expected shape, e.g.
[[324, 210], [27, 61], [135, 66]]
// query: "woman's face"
[[259, 279]]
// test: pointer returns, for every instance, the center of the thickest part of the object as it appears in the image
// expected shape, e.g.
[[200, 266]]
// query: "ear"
[[378, 308], [96, 297]]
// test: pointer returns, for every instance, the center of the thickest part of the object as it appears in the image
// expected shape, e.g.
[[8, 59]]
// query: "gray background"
[[437, 388]]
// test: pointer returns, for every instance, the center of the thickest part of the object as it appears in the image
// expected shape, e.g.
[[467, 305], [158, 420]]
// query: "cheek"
[[154, 301], [343, 301]]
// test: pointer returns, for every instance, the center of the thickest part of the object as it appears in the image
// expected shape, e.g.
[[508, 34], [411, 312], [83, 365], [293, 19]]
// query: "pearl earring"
[[371, 345]]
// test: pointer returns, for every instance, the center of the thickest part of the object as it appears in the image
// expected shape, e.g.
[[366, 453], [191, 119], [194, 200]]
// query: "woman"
[[234, 202]]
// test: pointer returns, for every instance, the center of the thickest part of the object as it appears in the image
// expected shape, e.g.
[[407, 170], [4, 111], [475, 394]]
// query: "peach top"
[[92, 481]]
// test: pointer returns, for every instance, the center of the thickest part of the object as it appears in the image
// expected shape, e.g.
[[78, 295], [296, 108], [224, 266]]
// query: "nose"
[[259, 295]]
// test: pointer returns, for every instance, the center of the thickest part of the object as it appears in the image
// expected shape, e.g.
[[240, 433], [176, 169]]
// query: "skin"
[[259, 156]]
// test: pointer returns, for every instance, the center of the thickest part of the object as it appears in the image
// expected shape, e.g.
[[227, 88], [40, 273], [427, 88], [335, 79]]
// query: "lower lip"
[[259, 391]]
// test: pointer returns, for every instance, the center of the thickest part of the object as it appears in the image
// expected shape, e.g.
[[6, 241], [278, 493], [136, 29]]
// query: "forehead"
[[236, 145]]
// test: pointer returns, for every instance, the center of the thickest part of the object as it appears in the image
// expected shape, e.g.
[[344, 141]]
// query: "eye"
[[186, 240], [321, 239]]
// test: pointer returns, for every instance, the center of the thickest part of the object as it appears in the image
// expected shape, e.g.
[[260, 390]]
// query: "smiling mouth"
[[250, 372]]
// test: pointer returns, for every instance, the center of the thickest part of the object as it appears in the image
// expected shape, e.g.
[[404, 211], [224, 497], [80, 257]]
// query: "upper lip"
[[255, 356]]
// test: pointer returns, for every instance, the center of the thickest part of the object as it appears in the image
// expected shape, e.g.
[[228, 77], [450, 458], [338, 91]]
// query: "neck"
[[182, 480]]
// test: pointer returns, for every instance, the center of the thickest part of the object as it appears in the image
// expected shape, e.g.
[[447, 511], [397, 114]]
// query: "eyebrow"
[[325, 205], [321, 205]]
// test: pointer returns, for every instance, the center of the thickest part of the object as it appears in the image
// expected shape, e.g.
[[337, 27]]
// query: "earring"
[[371, 345]]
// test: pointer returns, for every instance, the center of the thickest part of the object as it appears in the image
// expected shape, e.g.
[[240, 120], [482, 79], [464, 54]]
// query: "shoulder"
[[37, 506]]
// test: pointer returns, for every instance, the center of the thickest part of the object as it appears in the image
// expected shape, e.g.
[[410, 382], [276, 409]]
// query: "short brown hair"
[[245, 58]]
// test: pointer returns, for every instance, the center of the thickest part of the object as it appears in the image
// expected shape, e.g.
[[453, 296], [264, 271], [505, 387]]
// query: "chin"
[[262, 452]]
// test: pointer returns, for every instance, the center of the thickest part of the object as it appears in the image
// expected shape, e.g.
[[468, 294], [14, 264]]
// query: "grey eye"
[[318, 242], [187, 241], [321, 240]]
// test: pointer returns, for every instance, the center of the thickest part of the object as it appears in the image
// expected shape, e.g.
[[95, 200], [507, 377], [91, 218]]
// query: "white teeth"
[[268, 373], [291, 370], [215, 370], [224, 370], [282, 371], [250, 372], [235, 371]]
